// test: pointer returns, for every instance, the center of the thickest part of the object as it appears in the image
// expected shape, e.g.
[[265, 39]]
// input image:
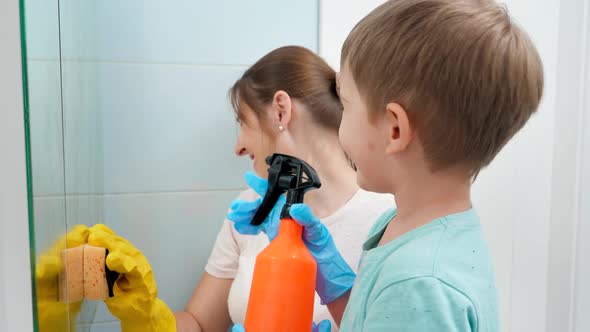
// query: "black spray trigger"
[[286, 174]]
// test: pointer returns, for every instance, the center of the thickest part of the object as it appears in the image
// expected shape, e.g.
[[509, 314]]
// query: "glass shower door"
[[131, 127]]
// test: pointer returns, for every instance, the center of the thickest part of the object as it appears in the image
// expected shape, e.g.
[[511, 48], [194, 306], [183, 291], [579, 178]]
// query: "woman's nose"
[[240, 151]]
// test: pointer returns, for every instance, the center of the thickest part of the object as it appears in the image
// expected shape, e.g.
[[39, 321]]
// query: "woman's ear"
[[282, 109], [400, 131]]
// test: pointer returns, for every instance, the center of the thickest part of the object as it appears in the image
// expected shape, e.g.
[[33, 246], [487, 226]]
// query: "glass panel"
[[123, 99], [51, 200], [46, 158]]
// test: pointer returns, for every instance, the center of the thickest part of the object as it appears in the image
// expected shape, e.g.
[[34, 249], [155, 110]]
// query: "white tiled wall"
[[46, 127], [148, 134], [82, 122], [42, 29], [167, 128], [581, 320], [222, 32]]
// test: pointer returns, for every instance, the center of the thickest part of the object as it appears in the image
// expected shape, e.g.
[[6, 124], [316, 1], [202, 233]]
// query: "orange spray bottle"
[[283, 285]]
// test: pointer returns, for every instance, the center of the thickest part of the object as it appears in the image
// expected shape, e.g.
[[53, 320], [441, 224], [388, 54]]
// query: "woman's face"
[[255, 142]]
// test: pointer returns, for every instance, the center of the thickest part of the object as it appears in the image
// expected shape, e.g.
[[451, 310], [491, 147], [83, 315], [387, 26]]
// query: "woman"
[[286, 103]]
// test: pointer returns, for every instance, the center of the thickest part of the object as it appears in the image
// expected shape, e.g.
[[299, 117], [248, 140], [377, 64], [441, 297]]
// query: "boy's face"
[[364, 141]]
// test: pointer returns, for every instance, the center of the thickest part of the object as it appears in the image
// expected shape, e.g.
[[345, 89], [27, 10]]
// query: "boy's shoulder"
[[449, 252], [448, 248]]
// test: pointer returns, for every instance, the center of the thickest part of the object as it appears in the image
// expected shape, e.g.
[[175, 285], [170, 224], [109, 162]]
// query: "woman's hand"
[[323, 326], [135, 300], [243, 211]]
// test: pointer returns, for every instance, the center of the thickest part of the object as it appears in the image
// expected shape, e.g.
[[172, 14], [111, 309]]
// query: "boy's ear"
[[282, 109], [399, 128]]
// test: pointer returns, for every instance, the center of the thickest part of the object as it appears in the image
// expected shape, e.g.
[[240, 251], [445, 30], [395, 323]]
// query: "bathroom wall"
[[581, 289]]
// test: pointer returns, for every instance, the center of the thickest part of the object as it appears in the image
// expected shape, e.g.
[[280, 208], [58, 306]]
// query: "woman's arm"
[[338, 306], [207, 309]]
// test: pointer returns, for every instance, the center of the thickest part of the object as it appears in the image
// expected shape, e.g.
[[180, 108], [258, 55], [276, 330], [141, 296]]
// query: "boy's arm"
[[420, 304]]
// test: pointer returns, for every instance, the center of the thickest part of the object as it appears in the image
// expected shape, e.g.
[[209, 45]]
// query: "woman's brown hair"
[[302, 74]]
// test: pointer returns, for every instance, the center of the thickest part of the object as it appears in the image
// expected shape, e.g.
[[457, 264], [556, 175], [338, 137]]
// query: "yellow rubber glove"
[[53, 315], [135, 293]]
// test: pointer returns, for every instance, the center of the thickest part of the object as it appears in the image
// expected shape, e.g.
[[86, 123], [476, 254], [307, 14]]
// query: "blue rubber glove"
[[334, 276], [243, 211], [323, 326]]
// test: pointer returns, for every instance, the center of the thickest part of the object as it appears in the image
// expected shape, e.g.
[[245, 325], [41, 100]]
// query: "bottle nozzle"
[[286, 174]]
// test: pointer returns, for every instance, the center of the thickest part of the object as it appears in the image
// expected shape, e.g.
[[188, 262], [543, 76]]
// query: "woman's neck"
[[335, 172]]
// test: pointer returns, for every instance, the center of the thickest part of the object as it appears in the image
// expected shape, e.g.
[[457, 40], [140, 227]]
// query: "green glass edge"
[[23, 42]]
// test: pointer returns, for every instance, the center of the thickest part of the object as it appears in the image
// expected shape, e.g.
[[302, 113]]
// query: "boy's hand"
[[243, 211], [334, 276], [323, 326]]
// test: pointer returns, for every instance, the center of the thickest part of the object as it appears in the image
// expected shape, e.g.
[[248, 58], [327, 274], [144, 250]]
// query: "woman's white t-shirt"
[[234, 254]]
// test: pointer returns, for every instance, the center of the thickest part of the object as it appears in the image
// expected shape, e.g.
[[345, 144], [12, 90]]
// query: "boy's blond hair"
[[467, 75]]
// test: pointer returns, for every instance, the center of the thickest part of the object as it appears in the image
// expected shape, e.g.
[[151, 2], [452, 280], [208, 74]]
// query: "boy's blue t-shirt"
[[437, 277]]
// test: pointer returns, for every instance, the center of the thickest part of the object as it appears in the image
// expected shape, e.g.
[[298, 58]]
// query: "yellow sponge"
[[95, 281], [71, 277], [83, 274]]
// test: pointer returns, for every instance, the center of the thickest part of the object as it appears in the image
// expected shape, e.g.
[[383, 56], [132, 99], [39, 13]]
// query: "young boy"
[[432, 90]]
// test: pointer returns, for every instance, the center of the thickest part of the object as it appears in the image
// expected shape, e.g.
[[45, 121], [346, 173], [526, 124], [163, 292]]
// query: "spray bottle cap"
[[286, 174]]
